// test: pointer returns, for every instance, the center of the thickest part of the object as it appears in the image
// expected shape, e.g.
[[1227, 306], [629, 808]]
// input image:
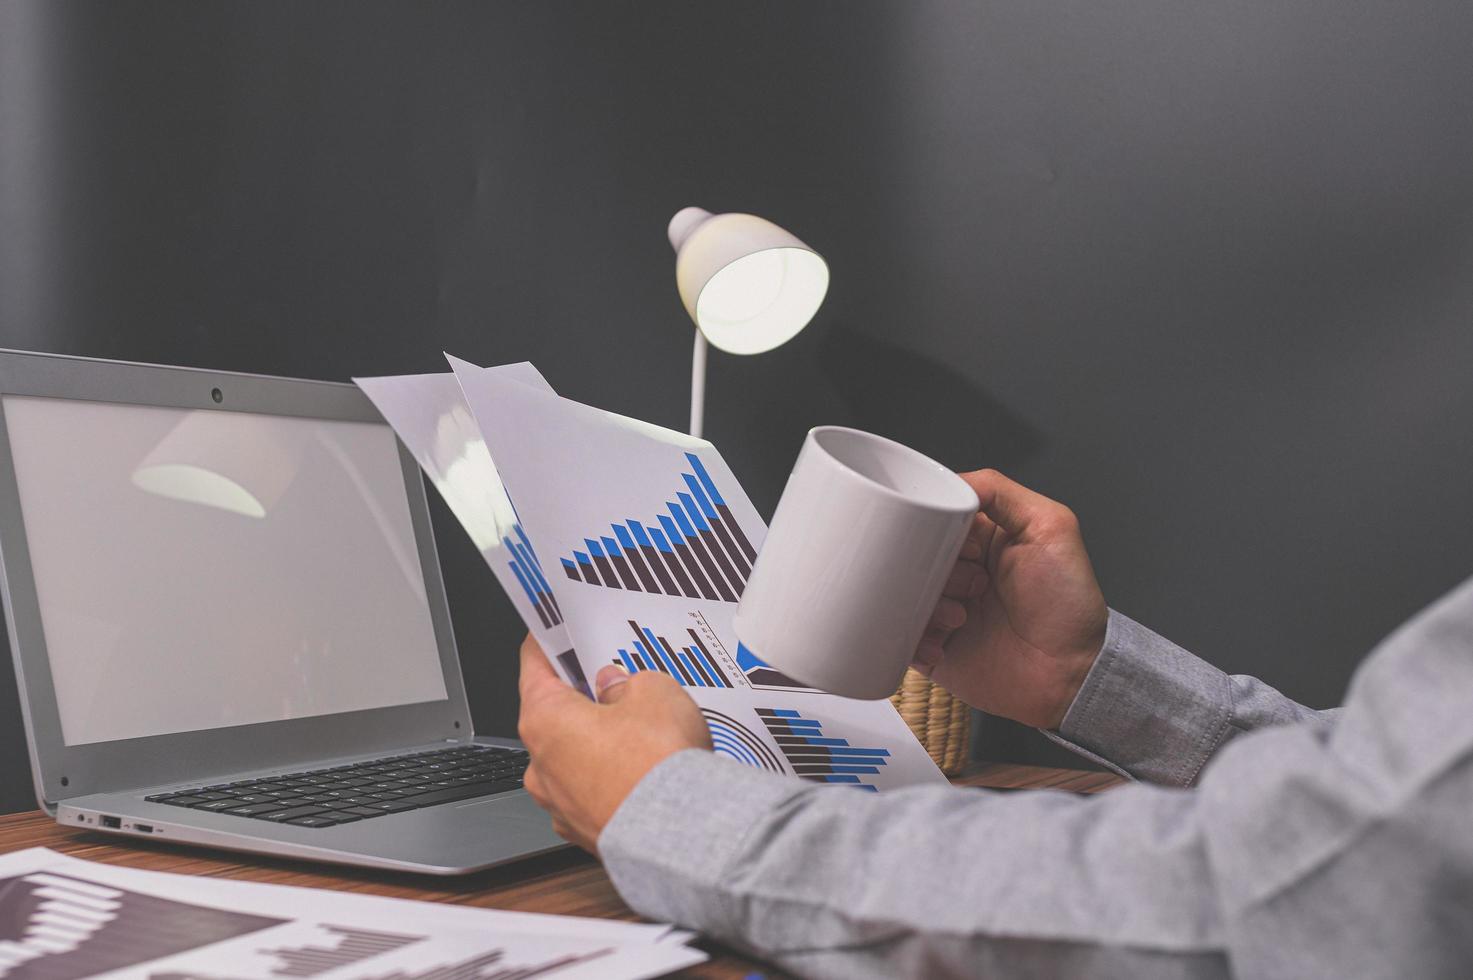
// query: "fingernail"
[[971, 549], [610, 676]]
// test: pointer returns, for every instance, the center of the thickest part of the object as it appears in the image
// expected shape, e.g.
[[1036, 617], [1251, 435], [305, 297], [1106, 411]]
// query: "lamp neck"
[[698, 385]]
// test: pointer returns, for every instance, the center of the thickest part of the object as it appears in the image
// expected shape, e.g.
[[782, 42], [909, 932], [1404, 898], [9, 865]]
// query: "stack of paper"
[[621, 542], [62, 918]]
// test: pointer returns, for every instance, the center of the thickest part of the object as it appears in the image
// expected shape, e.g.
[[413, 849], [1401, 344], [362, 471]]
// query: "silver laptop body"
[[220, 582]]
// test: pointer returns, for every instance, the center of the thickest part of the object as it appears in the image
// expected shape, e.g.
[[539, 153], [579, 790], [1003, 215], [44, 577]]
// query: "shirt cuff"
[[670, 844], [1149, 707]]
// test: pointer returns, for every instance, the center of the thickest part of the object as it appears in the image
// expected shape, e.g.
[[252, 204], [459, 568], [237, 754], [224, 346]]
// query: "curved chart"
[[730, 738]]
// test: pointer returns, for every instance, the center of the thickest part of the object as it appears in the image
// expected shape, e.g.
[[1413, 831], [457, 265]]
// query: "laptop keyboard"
[[363, 790]]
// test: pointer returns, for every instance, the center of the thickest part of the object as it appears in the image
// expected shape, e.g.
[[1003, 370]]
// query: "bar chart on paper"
[[694, 548], [493, 965], [819, 757], [698, 658], [54, 925], [344, 947], [692, 664], [63, 918], [527, 569]]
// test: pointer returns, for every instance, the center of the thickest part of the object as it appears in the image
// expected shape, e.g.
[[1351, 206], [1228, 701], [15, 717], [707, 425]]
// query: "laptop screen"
[[200, 569]]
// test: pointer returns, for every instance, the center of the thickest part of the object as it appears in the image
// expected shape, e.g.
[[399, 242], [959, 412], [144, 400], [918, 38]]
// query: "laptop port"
[[111, 823], [143, 828]]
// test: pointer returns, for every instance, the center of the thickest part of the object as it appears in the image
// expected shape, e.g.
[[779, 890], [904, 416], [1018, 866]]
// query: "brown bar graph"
[[694, 549], [690, 666]]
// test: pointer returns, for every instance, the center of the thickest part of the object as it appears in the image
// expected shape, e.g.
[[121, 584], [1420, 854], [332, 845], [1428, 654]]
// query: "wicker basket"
[[942, 723]]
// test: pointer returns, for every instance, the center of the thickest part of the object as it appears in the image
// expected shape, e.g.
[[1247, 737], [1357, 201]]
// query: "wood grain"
[[566, 883]]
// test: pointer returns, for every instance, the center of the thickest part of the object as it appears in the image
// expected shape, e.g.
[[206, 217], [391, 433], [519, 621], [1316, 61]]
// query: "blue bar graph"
[[527, 570], [819, 757], [690, 666], [693, 548]]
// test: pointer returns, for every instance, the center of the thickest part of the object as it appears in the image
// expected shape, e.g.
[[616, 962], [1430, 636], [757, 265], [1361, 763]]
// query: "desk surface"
[[566, 883]]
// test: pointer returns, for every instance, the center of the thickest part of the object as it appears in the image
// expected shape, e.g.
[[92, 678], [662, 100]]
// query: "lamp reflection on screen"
[[197, 485], [244, 464], [225, 460]]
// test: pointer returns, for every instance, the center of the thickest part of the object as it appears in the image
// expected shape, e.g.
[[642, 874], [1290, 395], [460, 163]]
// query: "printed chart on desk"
[[62, 918], [651, 540]]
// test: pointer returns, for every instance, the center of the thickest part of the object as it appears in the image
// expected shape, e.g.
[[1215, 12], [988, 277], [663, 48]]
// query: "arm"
[[1306, 851], [923, 882], [1150, 710]]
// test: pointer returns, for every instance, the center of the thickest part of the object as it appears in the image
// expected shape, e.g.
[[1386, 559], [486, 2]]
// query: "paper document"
[[61, 918], [644, 540], [432, 419]]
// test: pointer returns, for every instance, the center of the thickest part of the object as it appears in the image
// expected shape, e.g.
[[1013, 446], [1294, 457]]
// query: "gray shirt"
[[1264, 839]]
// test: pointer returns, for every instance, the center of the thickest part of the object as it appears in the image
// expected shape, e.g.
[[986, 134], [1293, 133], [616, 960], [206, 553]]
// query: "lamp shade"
[[748, 285]]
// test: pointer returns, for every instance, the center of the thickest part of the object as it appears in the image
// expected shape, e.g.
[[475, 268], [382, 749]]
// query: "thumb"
[[1010, 505], [612, 683]]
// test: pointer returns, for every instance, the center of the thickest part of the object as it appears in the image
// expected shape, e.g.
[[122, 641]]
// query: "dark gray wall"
[[1199, 271]]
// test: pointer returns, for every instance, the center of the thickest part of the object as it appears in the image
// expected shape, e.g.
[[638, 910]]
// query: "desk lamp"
[[748, 285]]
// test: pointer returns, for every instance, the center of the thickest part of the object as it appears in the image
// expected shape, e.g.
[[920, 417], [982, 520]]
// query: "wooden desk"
[[567, 883]]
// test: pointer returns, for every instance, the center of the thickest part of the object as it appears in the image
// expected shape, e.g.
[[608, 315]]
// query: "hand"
[[586, 757], [1022, 619]]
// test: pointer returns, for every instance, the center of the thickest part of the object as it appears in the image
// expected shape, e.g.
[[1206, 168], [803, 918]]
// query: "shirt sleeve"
[[1152, 711], [1306, 850]]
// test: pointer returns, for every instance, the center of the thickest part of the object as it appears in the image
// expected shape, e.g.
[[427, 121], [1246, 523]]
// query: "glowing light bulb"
[[762, 300]]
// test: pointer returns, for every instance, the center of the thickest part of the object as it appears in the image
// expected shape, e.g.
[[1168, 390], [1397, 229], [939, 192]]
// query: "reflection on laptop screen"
[[200, 569]]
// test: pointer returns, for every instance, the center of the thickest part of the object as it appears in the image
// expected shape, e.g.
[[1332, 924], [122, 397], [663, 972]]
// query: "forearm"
[[1308, 850], [828, 882], [1303, 854], [1156, 712]]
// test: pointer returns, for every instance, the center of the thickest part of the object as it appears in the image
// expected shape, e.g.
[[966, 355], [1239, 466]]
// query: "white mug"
[[864, 538]]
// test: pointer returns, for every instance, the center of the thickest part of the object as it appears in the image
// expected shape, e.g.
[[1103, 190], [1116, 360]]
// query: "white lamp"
[[748, 285]]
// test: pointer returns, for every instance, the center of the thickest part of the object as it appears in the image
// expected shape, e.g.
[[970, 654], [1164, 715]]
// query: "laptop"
[[228, 623]]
